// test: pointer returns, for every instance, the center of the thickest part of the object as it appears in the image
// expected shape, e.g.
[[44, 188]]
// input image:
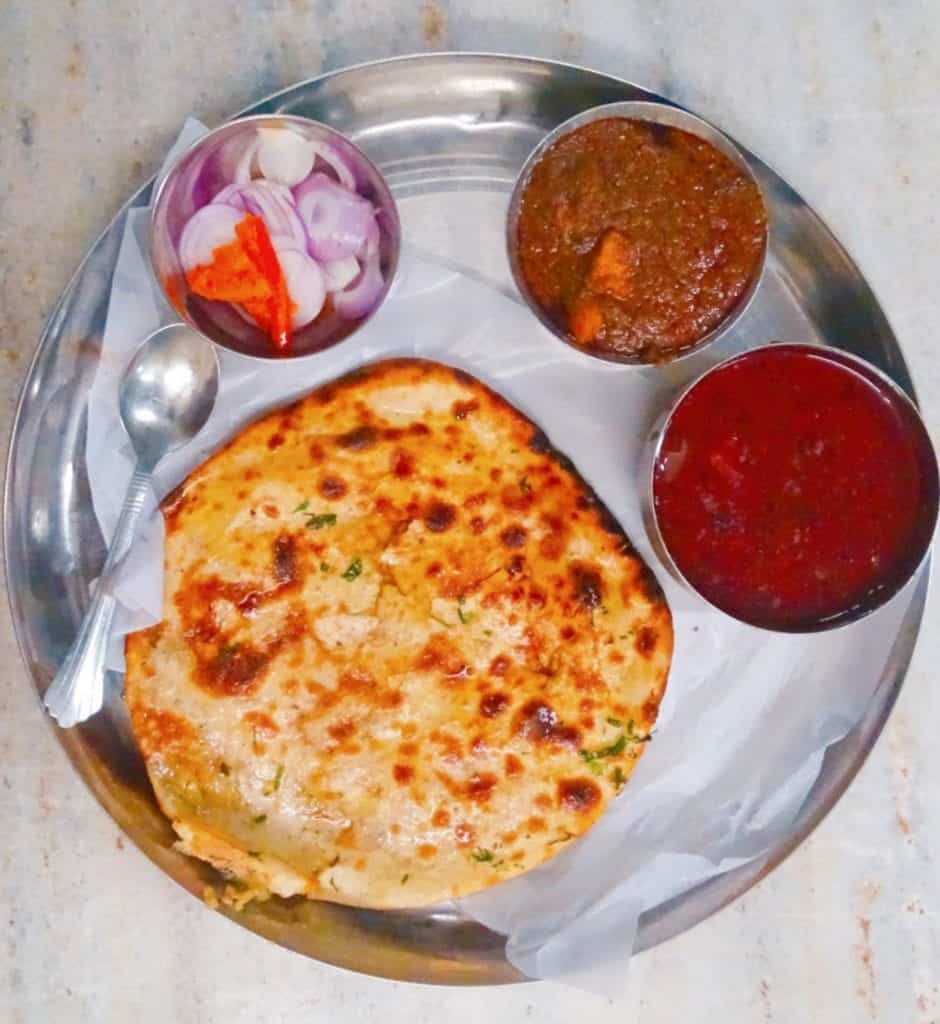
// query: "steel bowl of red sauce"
[[275, 236], [793, 487]]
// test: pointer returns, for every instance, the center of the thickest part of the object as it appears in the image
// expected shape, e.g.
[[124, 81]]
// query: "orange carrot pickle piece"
[[247, 271]]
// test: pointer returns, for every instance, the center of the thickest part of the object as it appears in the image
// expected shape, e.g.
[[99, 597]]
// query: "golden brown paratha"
[[406, 651]]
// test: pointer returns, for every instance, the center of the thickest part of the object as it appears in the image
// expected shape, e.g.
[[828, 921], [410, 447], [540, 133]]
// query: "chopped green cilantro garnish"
[[325, 567], [354, 569], [619, 777], [318, 521], [487, 632], [463, 618], [614, 722], [303, 506], [228, 650], [596, 767], [333, 883], [439, 620], [524, 484], [562, 838], [617, 747], [634, 737], [404, 878], [259, 819], [482, 856], [278, 775]]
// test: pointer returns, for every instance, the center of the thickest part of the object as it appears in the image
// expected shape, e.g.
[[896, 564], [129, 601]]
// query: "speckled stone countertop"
[[839, 96]]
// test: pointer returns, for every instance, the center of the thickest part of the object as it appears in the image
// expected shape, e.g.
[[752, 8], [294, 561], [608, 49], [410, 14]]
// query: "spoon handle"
[[77, 692]]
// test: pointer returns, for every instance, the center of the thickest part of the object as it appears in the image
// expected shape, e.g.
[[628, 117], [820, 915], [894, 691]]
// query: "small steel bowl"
[[655, 113], [914, 424], [200, 173]]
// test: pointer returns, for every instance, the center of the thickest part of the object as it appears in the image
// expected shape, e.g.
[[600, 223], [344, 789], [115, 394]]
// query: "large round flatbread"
[[406, 652]]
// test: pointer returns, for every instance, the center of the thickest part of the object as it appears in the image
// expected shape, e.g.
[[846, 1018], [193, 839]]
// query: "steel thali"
[[442, 128]]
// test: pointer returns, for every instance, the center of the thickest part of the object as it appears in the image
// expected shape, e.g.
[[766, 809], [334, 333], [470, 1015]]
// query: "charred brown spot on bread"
[[235, 671], [173, 504], [587, 583], [441, 654], [465, 834], [403, 774], [403, 464], [513, 536], [537, 722], [649, 585], [493, 704], [275, 441], [342, 729], [261, 722], [645, 641], [285, 559], [480, 786], [439, 516], [419, 429], [516, 565], [464, 379], [512, 766], [461, 410], [359, 439], [579, 795], [477, 525], [332, 487], [518, 497], [499, 665], [158, 730], [539, 443]]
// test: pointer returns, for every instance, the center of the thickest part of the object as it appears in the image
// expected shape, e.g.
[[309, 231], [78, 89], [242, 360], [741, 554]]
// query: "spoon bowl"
[[168, 390]]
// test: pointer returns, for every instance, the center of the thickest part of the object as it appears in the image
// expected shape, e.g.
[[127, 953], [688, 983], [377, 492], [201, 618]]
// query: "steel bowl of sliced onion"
[[275, 236]]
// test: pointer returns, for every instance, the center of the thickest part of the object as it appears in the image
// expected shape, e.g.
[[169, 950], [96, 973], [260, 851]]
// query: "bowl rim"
[[231, 126], [653, 112], [848, 361]]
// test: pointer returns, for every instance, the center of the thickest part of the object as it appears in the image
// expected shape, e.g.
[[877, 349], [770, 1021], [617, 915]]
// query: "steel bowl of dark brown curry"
[[637, 233]]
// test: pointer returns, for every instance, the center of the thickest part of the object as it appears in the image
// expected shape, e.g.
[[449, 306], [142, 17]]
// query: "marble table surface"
[[842, 98]]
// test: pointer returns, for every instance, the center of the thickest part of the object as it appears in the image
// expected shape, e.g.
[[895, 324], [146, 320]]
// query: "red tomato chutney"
[[794, 489]]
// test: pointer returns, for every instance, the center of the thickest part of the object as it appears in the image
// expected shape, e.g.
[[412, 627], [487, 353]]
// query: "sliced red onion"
[[331, 156], [361, 298], [243, 171], [284, 156], [371, 247], [305, 285], [205, 231], [337, 221], [339, 273], [273, 203]]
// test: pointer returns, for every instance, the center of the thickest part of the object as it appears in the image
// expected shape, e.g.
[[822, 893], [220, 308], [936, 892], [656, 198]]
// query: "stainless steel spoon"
[[166, 395]]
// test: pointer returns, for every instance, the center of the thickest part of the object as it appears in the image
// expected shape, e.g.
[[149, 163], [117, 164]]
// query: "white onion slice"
[[330, 155], [339, 273], [205, 231], [243, 170], [337, 221], [273, 203], [284, 156], [305, 285], [362, 296]]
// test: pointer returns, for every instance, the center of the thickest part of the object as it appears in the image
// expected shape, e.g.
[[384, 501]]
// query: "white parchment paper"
[[747, 715]]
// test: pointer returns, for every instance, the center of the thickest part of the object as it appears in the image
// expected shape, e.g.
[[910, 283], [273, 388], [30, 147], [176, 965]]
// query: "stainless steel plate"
[[443, 128]]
